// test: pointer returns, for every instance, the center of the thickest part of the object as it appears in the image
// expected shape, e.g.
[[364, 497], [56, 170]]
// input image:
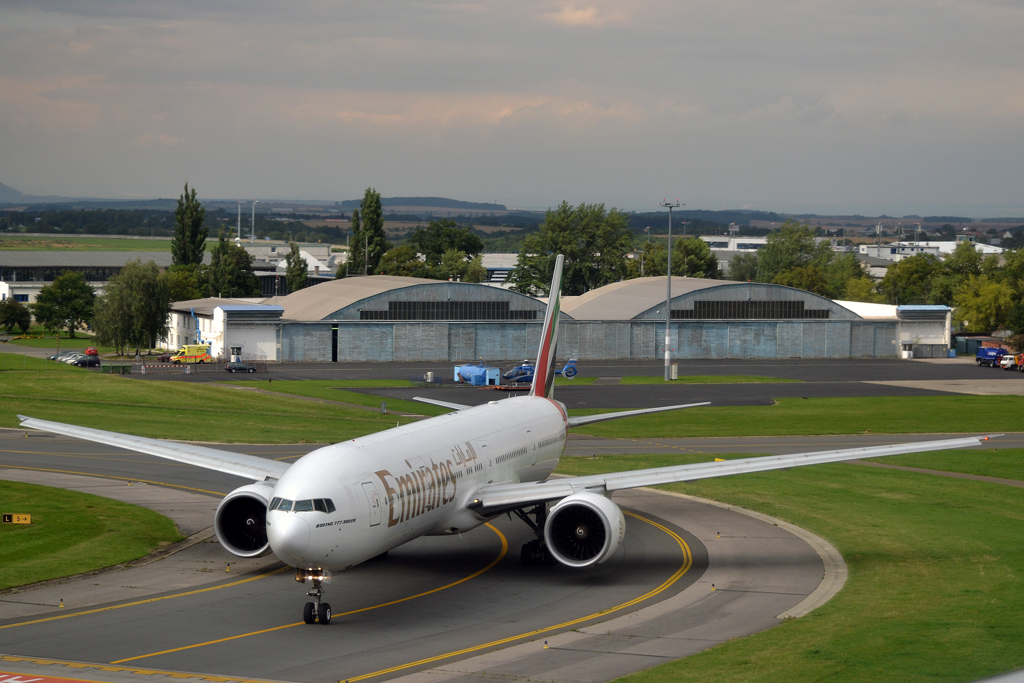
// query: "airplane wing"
[[501, 497], [443, 404], [602, 417], [238, 464]]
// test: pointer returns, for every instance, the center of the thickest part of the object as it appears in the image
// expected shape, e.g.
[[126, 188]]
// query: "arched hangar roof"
[[702, 299], [388, 297]]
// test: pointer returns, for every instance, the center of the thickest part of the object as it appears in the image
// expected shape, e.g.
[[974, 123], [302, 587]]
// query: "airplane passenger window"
[[303, 506], [330, 505], [320, 505], [283, 504]]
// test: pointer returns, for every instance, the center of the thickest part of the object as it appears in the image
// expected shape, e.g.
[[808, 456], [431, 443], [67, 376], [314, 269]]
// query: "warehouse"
[[385, 318]]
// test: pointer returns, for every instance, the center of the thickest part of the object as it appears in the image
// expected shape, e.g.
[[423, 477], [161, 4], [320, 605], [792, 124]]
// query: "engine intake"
[[584, 529], [241, 521]]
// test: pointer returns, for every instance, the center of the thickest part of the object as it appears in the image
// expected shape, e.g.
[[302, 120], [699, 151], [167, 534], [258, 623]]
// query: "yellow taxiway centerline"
[[678, 574], [504, 550]]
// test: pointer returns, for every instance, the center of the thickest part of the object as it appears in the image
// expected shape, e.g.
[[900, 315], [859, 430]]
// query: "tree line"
[[135, 304]]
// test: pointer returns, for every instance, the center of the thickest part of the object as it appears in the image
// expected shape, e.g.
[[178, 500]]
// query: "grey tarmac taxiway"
[[456, 608]]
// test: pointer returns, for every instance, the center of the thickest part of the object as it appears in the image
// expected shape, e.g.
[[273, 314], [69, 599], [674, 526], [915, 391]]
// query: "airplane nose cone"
[[289, 536]]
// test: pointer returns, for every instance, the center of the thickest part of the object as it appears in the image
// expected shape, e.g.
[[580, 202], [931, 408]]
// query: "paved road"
[[760, 571]]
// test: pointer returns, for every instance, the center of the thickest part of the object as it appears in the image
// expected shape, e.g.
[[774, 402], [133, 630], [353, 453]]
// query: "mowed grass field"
[[72, 243], [72, 533], [936, 568], [177, 410], [793, 416], [936, 584]]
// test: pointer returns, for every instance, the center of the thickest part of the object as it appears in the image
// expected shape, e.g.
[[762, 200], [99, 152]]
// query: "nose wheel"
[[317, 610]]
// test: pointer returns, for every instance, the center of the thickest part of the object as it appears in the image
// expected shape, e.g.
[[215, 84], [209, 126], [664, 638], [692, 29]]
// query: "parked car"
[[85, 361], [164, 357], [239, 366], [66, 356]]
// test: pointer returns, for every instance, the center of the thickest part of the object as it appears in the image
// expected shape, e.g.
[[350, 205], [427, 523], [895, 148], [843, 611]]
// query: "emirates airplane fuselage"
[[411, 481]]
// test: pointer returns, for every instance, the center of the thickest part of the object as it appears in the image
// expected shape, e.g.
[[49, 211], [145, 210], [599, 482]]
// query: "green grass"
[[935, 588], [792, 416], [709, 379], [72, 533], [1007, 463], [334, 390], [72, 243], [179, 410]]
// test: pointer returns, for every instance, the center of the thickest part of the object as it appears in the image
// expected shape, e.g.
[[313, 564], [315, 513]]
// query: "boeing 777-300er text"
[[344, 504]]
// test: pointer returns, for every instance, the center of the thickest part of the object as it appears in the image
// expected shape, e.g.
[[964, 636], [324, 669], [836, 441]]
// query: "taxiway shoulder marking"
[[504, 551], [147, 600], [110, 476]]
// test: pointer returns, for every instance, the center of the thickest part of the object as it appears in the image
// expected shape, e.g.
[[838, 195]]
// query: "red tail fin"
[[544, 369]]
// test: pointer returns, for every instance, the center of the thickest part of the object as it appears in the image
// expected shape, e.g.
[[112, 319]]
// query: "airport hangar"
[[386, 318]]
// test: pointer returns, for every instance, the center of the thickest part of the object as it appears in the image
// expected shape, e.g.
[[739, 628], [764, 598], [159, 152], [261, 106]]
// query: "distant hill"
[[9, 194], [426, 203]]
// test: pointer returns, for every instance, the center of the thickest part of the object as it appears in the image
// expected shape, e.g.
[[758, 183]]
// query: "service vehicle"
[[989, 356], [1009, 361], [193, 353], [523, 373]]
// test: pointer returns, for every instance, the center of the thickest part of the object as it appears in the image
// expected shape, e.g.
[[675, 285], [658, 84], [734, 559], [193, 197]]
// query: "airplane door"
[[373, 498]]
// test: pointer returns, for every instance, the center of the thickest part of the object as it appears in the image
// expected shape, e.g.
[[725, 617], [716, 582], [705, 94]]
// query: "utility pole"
[[668, 294], [254, 203], [366, 248], [238, 235]]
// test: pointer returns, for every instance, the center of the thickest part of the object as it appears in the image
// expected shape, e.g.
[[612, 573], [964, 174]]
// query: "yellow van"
[[192, 353]]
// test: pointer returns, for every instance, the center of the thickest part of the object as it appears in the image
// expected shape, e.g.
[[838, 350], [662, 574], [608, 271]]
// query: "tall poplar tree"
[[374, 242], [354, 265], [190, 233], [296, 269]]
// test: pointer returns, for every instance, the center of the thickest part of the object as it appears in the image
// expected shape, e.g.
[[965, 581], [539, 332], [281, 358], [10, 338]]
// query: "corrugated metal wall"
[[588, 340]]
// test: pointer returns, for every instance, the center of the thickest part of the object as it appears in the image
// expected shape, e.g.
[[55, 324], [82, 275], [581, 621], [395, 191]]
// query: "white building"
[[897, 251], [922, 331], [225, 324]]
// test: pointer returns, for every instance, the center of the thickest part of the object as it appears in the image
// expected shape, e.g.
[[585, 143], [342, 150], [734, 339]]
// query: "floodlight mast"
[[668, 292], [253, 226]]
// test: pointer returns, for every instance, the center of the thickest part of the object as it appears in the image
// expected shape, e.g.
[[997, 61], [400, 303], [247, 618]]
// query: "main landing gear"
[[316, 610], [535, 553]]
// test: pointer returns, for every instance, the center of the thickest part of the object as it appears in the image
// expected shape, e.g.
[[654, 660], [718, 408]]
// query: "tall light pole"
[[238, 235], [668, 292], [254, 203]]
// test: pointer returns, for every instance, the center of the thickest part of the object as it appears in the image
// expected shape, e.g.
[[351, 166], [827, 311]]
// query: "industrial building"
[[385, 318]]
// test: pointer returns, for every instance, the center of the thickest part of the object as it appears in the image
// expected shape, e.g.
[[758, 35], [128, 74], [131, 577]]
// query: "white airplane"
[[344, 504]]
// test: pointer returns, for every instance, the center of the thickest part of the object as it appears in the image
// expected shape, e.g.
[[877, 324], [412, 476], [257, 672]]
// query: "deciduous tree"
[[13, 314], [692, 257], [983, 305], [442, 236], [134, 307], [231, 272], [593, 240], [65, 304]]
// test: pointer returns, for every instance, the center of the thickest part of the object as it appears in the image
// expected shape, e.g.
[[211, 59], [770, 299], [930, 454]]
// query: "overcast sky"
[[897, 107]]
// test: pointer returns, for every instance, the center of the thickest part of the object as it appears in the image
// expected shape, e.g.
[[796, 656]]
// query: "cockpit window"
[[273, 503], [282, 504], [330, 504], [303, 506], [320, 505]]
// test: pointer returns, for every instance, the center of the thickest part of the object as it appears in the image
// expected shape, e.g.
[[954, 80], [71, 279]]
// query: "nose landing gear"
[[316, 610]]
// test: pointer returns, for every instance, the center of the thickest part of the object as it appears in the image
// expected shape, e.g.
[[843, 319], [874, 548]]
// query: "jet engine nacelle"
[[241, 520], [584, 529]]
